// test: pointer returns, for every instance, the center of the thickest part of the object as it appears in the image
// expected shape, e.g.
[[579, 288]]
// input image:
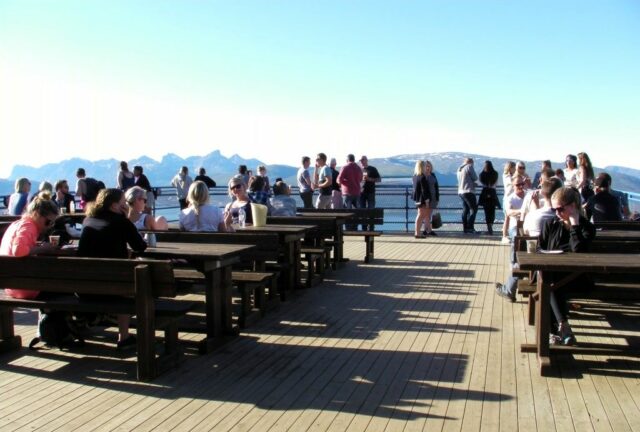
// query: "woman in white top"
[[200, 215], [136, 198], [571, 171], [507, 173]]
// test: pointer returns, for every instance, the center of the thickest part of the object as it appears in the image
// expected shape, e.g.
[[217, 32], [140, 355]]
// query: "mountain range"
[[221, 168]]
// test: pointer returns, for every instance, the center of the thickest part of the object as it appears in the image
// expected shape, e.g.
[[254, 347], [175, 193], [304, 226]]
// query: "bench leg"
[[8, 340], [369, 249]]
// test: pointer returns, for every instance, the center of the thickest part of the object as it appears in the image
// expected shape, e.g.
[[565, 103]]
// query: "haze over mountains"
[[221, 168]]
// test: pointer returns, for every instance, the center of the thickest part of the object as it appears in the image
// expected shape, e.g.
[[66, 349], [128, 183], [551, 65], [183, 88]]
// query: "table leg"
[[543, 306]]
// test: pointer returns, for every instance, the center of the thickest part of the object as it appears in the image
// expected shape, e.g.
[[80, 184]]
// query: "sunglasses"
[[49, 222], [558, 209], [520, 167], [143, 199], [236, 186]]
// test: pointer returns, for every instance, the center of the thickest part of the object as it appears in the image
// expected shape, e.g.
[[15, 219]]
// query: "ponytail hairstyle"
[[198, 196], [42, 205]]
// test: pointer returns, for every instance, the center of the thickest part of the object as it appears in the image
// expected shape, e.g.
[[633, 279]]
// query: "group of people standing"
[[354, 186]]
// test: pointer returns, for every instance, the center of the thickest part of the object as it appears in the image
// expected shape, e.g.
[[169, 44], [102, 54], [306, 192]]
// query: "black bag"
[[436, 220], [55, 330], [92, 187]]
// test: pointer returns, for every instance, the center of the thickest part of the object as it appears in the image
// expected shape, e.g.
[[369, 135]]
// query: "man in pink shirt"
[[349, 178]]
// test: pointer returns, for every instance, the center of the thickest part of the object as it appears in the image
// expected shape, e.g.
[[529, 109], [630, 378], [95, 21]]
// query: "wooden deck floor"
[[417, 340]]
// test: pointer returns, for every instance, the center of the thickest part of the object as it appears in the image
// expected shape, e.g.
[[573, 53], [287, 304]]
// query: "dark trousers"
[[469, 210], [183, 203], [490, 216], [367, 200], [350, 201], [307, 199]]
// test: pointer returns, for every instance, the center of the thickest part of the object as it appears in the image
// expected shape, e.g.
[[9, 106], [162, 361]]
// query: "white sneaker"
[[505, 240]]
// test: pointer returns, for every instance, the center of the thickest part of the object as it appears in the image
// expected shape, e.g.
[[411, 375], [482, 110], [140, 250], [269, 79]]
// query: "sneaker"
[[128, 343], [554, 339], [419, 236], [432, 233], [424, 233], [502, 293], [505, 241], [566, 335]]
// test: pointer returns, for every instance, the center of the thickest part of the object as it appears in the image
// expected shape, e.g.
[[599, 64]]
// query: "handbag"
[[436, 220]]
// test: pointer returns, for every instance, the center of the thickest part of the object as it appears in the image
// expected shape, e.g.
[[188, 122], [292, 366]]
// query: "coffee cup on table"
[[54, 240]]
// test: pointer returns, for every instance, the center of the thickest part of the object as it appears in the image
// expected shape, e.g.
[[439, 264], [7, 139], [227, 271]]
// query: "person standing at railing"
[[467, 178], [203, 177], [322, 181], [182, 182], [489, 197], [421, 197], [336, 193], [141, 180], [349, 178], [304, 183], [370, 176]]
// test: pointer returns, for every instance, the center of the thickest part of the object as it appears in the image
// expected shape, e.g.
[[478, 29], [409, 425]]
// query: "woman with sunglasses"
[[106, 233], [201, 215], [240, 200], [21, 237], [136, 198], [569, 231]]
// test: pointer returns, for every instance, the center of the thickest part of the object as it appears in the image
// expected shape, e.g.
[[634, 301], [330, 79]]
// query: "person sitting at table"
[[257, 192], [44, 186], [281, 203], [20, 198], [240, 199], [62, 196], [21, 238], [106, 234], [603, 206], [532, 226], [569, 231], [136, 198], [200, 214]]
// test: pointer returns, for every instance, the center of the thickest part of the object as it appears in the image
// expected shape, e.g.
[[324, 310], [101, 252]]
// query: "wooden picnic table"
[[214, 261], [338, 239], [573, 264], [290, 238]]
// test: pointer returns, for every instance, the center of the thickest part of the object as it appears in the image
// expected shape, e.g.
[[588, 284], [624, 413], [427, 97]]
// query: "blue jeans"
[[367, 200], [469, 210], [350, 201]]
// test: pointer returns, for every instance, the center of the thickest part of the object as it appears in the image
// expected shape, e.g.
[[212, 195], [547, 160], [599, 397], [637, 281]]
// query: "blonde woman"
[[200, 215], [421, 198], [507, 173], [136, 198], [19, 199]]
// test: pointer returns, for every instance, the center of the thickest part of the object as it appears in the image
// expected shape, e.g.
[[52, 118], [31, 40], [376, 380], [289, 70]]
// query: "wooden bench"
[[317, 254], [620, 225], [251, 284], [361, 216], [136, 287]]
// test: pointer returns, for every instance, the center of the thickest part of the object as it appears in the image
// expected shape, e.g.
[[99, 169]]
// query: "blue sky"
[[278, 79]]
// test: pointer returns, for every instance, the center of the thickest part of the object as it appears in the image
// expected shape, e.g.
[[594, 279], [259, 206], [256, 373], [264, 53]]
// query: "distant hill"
[[221, 168]]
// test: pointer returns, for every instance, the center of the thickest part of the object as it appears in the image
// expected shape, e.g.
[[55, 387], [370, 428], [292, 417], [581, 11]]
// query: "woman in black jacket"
[[488, 197], [570, 231], [106, 233]]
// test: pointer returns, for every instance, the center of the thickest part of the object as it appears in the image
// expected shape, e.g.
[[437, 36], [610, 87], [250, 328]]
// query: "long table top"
[[580, 262]]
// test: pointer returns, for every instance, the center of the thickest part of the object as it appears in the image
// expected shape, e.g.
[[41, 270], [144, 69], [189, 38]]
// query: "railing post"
[[406, 209]]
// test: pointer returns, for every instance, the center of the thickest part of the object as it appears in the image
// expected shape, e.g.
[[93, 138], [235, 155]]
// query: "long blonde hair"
[[197, 196], [418, 170], [507, 167]]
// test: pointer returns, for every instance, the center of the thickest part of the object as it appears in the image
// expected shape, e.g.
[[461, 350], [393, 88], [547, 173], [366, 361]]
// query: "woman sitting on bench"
[[201, 215], [106, 234], [21, 238], [136, 198]]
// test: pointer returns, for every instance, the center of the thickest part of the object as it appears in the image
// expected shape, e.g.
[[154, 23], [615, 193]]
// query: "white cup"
[[532, 246], [54, 240]]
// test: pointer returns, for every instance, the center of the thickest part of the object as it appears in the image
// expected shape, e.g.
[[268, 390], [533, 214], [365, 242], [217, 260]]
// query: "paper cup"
[[259, 214], [54, 240], [531, 246]]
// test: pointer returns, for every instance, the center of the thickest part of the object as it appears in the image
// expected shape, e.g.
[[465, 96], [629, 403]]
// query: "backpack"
[[54, 330], [92, 187]]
